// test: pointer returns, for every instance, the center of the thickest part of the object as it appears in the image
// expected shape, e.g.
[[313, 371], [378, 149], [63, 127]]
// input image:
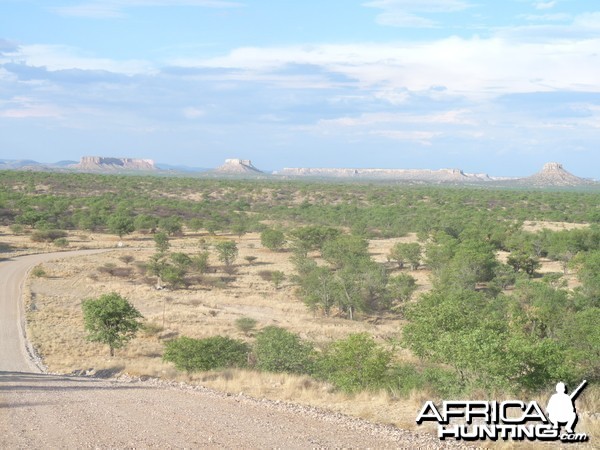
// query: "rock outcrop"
[[236, 166], [553, 174], [99, 163], [422, 175]]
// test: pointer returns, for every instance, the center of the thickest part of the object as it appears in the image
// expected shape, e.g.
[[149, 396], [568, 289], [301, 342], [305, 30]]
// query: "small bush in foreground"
[[279, 350], [216, 352], [355, 363]]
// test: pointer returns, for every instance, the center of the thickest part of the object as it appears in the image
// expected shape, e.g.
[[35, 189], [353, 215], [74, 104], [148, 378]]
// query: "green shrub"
[[38, 272], [279, 350], [47, 235], [277, 277], [403, 378], [200, 262], [61, 242], [216, 352], [355, 363], [272, 239], [245, 324]]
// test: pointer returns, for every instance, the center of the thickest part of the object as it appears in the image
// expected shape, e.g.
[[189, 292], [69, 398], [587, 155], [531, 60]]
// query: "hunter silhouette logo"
[[561, 407], [507, 420]]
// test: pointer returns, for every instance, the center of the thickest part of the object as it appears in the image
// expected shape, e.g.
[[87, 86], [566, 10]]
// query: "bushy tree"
[[110, 319], [489, 342], [145, 222], [404, 253], [310, 238], [227, 252], [524, 262], [355, 363], [279, 350], [272, 239], [318, 289], [401, 287], [200, 262], [472, 262], [161, 241], [581, 334], [171, 225], [589, 274], [216, 352], [345, 250], [120, 224]]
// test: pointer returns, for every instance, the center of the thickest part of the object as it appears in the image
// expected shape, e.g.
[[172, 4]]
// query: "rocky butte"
[[236, 166], [100, 163], [553, 174]]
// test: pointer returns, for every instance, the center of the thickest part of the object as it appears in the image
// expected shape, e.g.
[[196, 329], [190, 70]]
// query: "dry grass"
[[375, 406], [534, 227], [203, 310], [55, 322]]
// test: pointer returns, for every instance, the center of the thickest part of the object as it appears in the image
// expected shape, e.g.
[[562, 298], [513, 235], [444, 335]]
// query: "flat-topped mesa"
[[101, 163], [554, 174], [553, 167], [424, 175], [238, 166]]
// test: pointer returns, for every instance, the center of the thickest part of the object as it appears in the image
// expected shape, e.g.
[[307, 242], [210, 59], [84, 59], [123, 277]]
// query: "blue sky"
[[486, 86]]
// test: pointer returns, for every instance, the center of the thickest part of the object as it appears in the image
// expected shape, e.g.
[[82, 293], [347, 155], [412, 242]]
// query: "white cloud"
[[61, 57], [26, 108], [402, 13], [420, 5], [472, 68], [545, 5], [193, 112], [588, 21], [557, 17], [420, 137], [107, 9], [450, 117]]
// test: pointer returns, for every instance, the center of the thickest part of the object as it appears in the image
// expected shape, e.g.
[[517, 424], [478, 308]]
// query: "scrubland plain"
[[561, 253]]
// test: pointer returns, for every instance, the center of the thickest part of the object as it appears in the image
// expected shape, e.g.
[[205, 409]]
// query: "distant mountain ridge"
[[426, 175], [100, 163], [553, 174]]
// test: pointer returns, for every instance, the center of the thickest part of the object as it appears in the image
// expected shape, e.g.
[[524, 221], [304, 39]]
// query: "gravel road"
[[40, 410]]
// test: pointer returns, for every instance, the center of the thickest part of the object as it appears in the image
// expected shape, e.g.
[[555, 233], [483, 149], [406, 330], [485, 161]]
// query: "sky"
[[499, 87]]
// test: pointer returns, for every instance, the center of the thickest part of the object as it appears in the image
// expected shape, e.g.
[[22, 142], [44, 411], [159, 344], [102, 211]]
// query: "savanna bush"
[[48, 235], [355, 363], [279, 350], [245, 324], [215, 352]]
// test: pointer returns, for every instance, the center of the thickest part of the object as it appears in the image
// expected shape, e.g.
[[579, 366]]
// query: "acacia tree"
[[406, 252], [120, 224], [161, 240], [110, 319], [272, 239], [227, 252]]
